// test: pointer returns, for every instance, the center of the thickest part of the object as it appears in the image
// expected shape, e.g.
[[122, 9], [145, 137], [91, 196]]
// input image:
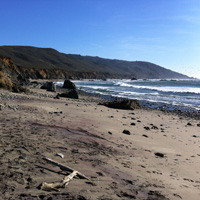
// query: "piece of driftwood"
[[63, 167], [59, 155], [57, 185]]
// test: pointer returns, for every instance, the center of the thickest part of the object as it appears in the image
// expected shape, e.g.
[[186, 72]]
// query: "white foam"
[[163, 88]]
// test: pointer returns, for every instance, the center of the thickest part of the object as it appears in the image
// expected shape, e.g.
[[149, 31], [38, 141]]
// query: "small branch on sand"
[[63, 167], [61, 184], [57, 185]]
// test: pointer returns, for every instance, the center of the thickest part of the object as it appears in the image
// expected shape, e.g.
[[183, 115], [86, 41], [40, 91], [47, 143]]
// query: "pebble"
[[154, 127], [59, 155], [161, 155], [147, 128], [127, 132], [145, 135], [100, 173], [189, 124]]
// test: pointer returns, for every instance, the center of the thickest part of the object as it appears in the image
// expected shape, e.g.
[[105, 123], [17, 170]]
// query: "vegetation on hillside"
[[5, 82], [50, 59]]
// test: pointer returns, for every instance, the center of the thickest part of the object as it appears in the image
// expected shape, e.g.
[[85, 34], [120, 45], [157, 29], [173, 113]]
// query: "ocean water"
[[171, 94]]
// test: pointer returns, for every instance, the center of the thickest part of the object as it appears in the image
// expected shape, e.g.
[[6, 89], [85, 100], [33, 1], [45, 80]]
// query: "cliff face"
[[9, 69], [20, 74], [34, 73]]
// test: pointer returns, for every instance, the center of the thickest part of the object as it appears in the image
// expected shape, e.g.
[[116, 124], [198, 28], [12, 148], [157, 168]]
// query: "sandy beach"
[[159, 158]]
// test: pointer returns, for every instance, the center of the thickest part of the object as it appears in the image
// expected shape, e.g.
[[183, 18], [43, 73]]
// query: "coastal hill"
[[33, 62]]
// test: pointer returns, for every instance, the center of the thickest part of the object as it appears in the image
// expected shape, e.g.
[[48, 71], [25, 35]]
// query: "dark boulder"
[[49, 86], [73, 94], [123, 104], [133, 79], [69, 85]]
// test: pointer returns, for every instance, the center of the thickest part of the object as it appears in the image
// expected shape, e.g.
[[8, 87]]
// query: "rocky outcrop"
[[5, 82], [123, 104], [10, 77], [9, 69], [34, 73], [73, 94], [69, 85], [21, 75]]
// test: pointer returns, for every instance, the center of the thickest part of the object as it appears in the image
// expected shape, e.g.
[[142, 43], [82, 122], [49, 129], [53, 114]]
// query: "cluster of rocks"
[[11, 107], [43, 95], [69, 87], [70, 90], [49, 86], [7, 97]]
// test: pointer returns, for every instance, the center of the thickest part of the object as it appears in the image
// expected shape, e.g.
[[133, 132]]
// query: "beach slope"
[[126, 154]]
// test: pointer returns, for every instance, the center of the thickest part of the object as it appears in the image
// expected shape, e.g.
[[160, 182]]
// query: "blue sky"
[[164, 32]]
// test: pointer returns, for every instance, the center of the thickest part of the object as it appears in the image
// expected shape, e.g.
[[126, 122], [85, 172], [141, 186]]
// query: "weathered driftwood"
[[57, 185], [80, 175]]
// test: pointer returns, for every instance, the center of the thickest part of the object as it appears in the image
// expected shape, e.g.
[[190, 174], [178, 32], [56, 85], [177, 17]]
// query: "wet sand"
[[159, 159]]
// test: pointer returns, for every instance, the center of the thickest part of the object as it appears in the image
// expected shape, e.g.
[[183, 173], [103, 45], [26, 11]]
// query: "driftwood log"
[[63, 167], [57, 185]]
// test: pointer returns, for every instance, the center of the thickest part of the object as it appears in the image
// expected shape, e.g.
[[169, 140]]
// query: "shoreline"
[[166, 108], [159, 159], [150, 104], [177, 110]]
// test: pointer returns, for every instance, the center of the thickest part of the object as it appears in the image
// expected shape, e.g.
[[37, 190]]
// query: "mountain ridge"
[[51, 61]]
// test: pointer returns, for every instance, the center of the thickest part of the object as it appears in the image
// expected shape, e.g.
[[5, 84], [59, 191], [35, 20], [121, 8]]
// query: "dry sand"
[[91, 138]]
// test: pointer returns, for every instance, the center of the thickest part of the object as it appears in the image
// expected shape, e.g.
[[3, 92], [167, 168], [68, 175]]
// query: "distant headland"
[[47, 63]]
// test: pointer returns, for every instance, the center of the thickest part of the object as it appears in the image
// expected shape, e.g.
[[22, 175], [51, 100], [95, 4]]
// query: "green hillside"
[[50, 59]]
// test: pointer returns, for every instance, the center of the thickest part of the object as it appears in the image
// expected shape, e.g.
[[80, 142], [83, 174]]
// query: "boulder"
[[73, 94], [133, 79], [69, 85], [123, 104], [49, 86]]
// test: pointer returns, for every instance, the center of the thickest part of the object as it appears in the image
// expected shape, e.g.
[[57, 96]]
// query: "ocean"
[[168, 94]]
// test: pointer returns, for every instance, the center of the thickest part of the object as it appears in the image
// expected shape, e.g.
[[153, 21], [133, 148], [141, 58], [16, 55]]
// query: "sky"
[[164, 32]]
